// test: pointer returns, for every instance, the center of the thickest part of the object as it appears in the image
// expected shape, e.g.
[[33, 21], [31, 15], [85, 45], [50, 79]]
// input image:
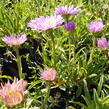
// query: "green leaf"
[[80, 104], [96, 98], [28, 103], [88, 102], [92, 75], [86, 91], [100, 85], [7, 77], [105, 100], [33, 84]]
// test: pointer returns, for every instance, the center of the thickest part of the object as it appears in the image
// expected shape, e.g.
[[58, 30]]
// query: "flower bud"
[[70, 26], [49, 74], [102, 43]]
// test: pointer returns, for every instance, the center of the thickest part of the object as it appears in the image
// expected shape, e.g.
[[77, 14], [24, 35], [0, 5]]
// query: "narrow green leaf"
[[100, 85]]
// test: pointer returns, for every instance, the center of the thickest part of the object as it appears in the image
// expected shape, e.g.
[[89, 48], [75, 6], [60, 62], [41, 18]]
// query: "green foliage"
[[100, 99], [71, 53]]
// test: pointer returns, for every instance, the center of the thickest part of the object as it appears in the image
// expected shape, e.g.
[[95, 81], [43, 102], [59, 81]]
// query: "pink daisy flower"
[[46, 23], [13, 94], [102, 43], [14, 40], [105, 6], [49, 74], [66, 10], [95, 26]]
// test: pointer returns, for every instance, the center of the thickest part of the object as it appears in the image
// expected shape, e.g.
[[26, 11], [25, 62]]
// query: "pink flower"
[[14, 40], [66, 10], [13, 94], [95, 27], [46, 23], [102, 43], [105, 6], [49, 74]]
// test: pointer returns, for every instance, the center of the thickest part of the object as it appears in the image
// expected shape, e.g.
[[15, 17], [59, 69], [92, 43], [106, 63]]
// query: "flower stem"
[[92, 48], [71, 41], [19, 64], [44, 105], [53, 47], [94, 41]]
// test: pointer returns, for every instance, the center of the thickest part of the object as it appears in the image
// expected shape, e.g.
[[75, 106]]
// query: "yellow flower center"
[[50, 75], [14, 42], [14, 98], [51, 23]]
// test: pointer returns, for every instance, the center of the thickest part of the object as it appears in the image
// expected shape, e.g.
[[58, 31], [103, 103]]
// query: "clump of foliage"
[[56, 54]]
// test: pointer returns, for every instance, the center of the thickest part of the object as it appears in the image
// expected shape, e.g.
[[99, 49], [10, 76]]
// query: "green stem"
[[44, 105], [93, 48], [71, 41], [66, 17], [69, 48], [53, 47], [19, 64], [94, 41]]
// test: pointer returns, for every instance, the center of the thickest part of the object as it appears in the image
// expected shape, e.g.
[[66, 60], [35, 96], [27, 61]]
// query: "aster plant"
[[64, 46], [94, 28], [70, 27], [48, 24], [13, 94], [15, 42], [49, 75], [66, 11]]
